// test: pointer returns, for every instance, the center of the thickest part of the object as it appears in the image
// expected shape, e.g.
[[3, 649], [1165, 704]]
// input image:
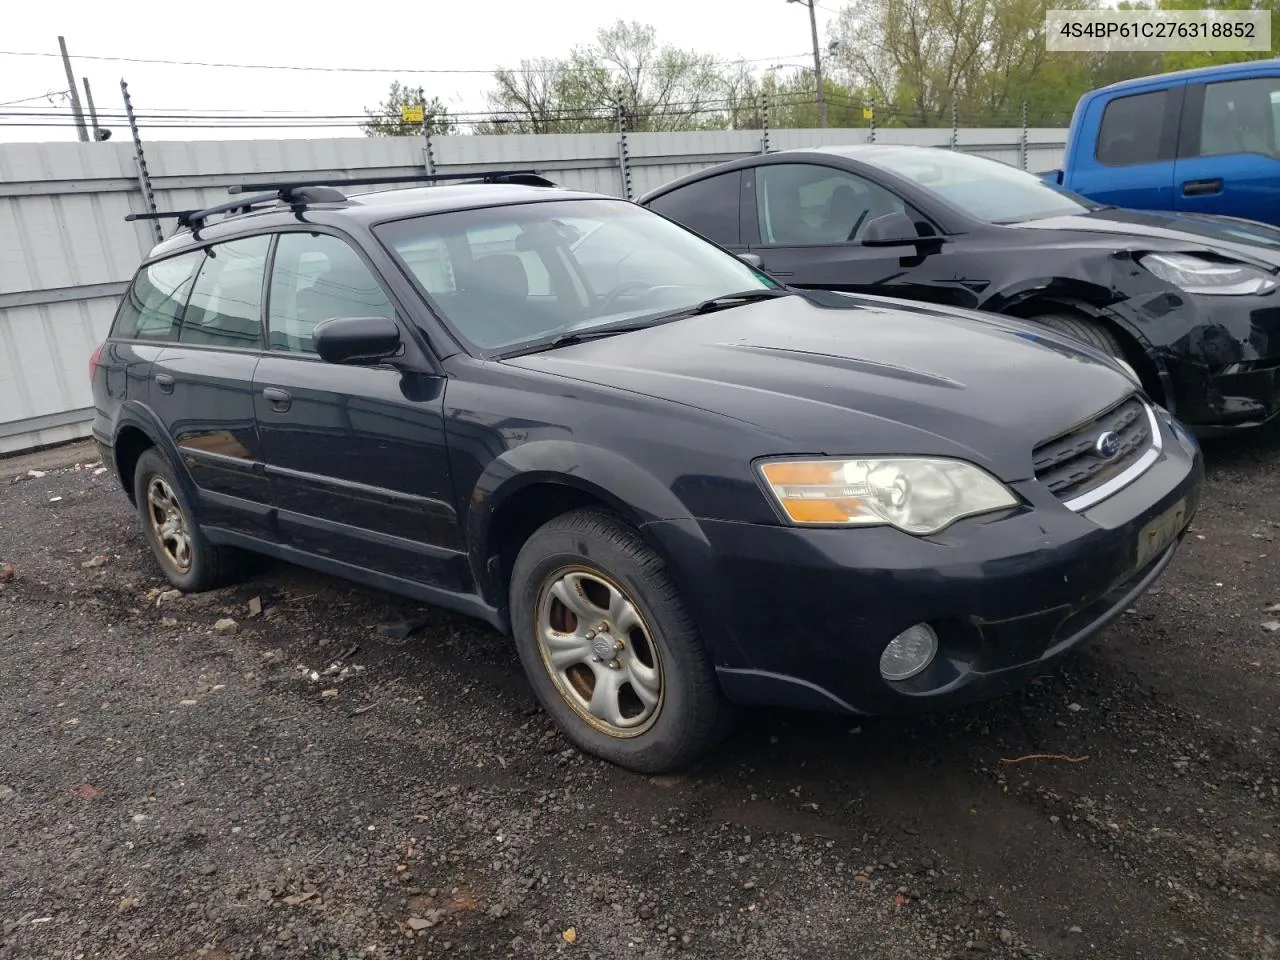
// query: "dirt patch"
[[316, 781]]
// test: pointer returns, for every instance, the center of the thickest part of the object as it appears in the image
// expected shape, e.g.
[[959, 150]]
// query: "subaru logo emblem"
[[1107, 445]]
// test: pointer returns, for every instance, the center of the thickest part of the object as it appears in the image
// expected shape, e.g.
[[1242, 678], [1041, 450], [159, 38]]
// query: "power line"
[[383, 70], [39, 96]]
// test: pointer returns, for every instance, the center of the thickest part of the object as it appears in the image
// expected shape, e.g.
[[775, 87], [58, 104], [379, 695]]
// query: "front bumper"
[[802, 615], [1220, 356], [1227, 396]]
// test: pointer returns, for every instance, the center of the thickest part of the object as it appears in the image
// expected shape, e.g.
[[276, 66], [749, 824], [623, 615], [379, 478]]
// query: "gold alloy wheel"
[[599, 653], [168, 523]]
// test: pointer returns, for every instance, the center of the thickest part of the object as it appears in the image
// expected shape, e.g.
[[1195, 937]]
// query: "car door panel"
[[355, 455], [204, 397], [202, 390], [1229, 154], [356, 459]]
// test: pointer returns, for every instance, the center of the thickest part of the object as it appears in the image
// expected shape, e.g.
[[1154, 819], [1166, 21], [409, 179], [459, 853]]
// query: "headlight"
[[915, 494], [1198, 275], [1128, 368]]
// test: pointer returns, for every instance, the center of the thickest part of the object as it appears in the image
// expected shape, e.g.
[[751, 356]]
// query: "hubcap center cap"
[[604, 646]]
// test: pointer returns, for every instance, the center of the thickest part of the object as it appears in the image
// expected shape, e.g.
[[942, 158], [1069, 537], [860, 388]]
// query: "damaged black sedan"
[[1188, 302]]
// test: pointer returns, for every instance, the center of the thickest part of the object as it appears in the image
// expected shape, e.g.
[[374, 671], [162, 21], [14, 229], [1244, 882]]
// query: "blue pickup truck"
[[1203, 141]]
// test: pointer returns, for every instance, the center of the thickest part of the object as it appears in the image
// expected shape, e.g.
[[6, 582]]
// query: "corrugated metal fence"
[[66, 252]]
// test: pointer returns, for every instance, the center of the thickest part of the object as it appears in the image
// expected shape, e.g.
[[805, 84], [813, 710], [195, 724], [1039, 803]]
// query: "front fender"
[[635, 493], [624, 484]]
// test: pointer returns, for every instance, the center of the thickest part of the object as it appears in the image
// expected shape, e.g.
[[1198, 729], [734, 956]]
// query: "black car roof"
[[374, 207], [851, 151]]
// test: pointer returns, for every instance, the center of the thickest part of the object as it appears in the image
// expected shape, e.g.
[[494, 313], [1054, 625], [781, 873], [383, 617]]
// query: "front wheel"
[[611, 651], [1086, 330]]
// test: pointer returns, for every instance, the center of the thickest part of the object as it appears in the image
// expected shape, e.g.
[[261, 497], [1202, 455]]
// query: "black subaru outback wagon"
[[679, 485]]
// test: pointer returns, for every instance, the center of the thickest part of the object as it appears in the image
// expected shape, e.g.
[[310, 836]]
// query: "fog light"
[[909, 652]]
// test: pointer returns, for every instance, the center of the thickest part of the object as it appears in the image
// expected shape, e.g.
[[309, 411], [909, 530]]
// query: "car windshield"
[[985, 189], [508, 277]]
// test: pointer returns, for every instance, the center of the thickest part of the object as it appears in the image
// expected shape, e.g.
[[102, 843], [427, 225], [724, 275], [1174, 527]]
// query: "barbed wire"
[[731, 109]]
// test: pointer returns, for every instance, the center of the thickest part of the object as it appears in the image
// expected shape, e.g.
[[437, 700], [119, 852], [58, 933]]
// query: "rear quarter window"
[[708, 207], [152, 306]]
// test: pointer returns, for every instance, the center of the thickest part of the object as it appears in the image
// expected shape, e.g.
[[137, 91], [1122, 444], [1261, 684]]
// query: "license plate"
[[1157, 534]]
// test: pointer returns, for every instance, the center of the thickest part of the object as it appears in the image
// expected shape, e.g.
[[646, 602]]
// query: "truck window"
[[1131, 129], [1239, 117]]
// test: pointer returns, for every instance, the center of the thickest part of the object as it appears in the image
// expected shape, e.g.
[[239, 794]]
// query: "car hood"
[[1150, 229], [840, 374]]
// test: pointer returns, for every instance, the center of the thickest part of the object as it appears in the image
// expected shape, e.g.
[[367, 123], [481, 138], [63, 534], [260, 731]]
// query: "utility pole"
[[74, 91], [817, 58], [98, 132]]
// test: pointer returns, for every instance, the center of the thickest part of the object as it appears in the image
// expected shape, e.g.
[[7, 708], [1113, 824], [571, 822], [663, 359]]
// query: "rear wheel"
[[609, 648], [188, 559]]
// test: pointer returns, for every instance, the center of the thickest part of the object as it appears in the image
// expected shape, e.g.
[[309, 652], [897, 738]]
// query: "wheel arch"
[[527, 486], [136, 430]]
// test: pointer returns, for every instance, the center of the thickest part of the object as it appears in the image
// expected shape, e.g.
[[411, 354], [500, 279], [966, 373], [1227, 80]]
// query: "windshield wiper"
[[571, 337], [734, 300], [594, 333]]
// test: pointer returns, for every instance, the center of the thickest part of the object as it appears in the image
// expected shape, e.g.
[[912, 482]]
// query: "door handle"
[[1201, 188], [279, 399], [164, 382]]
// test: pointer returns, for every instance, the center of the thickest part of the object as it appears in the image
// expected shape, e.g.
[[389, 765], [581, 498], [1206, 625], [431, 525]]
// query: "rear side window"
[[1240, 117], [153, 304], [225, 309], [1131, 130], [708, 207]]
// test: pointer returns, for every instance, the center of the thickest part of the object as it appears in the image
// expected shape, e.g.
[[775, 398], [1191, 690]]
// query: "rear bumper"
[[809, 611]]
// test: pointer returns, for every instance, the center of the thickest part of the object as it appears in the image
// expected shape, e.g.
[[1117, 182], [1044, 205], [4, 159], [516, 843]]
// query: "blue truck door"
[[1130, 160], [1227, 152]]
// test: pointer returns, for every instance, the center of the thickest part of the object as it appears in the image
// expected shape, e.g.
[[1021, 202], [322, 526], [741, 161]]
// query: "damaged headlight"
[[917, 495], [1211, 277]]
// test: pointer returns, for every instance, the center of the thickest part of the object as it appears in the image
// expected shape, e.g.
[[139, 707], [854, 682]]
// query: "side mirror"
[[356, 340], [751, 259], [891, 230]]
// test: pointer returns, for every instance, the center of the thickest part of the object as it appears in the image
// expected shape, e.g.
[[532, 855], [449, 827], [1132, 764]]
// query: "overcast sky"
[[447, 37]]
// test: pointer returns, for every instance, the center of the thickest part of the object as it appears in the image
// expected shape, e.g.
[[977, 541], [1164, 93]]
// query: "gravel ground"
[[308, 784]]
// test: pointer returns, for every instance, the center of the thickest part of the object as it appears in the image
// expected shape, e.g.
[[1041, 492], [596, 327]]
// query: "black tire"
[[691, 715], [1087, 330], [208, 566]]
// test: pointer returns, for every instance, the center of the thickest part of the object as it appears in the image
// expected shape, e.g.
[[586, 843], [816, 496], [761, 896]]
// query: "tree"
[[625, 70], [656, 87], [1188, 59], [987, 57], [539, 97], [388, 121]]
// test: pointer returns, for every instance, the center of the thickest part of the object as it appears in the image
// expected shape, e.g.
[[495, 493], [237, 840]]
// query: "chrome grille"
[[1071, 465]]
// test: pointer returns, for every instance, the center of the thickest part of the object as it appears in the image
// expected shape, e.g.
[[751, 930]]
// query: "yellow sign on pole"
[[868, 113], [411, 114]]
